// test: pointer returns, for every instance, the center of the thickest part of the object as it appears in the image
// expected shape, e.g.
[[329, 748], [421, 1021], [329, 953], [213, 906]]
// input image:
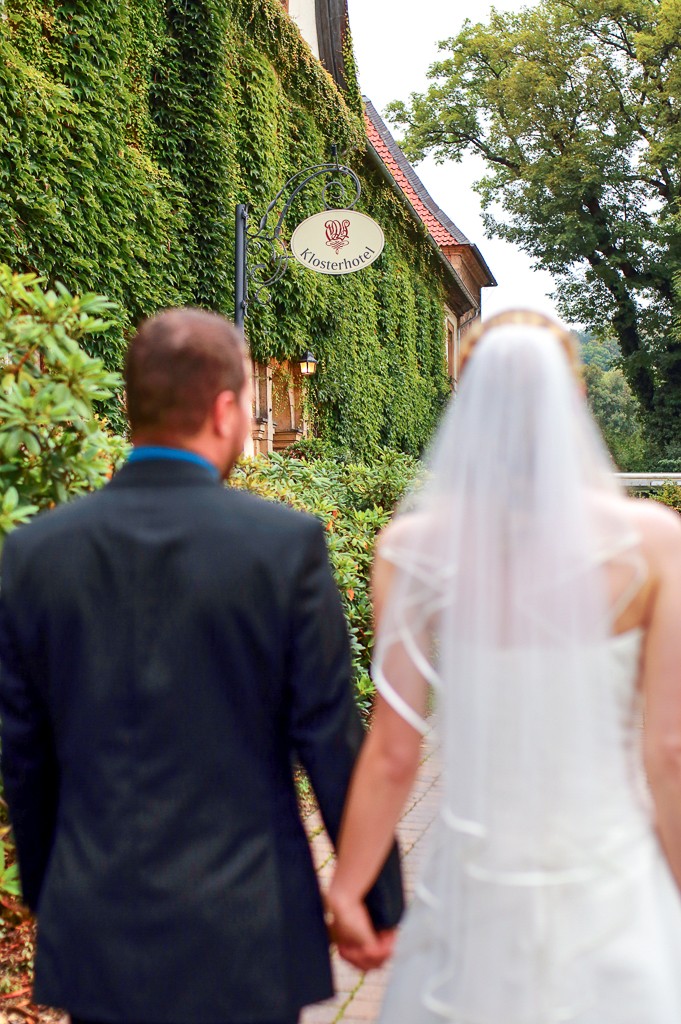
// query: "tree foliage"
[[617, 414], [575, 106], [604, 351]]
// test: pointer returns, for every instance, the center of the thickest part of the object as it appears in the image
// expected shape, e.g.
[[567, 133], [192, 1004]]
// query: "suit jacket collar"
[[163, 473]]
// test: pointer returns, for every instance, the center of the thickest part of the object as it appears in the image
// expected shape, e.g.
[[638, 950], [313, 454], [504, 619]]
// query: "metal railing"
[[636, 480]]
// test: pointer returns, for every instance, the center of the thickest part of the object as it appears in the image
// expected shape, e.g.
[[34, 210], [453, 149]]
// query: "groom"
[[168, 648]]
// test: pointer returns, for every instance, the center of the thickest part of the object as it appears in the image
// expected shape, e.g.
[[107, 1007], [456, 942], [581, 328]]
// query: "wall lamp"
[[308, 365]]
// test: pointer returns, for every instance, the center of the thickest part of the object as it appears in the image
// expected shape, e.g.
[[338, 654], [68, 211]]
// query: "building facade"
[[280, 413]]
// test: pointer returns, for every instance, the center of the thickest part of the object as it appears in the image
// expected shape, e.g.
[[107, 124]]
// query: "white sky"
[[395, 43]]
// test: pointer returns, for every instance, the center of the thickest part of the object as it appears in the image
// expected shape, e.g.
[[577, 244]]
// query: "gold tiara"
[[525, 317]]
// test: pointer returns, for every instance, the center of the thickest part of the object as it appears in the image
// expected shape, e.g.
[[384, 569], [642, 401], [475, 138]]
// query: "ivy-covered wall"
[[129, 129]]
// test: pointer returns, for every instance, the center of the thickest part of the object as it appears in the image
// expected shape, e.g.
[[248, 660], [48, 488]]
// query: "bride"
[[538, 609]]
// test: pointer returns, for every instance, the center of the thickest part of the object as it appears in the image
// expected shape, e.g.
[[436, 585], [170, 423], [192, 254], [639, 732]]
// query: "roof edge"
[[469, 300], [488, 278], [458, 237]]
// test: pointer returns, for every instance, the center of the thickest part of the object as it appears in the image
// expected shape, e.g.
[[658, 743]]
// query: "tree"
[[603, 351], [575, 106], [616, 411], [612, 402]]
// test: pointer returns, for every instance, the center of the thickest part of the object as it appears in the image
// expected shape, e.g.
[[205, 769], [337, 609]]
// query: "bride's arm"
[[381, 783], [661, 680], [383, 778]]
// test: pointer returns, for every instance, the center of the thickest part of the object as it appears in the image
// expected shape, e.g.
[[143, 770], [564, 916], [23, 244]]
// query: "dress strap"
[[634, 557]]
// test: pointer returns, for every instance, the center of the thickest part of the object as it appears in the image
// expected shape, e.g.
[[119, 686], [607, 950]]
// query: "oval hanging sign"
[[337, 242]]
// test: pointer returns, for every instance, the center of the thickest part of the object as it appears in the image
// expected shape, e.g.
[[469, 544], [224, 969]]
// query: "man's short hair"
[[176, 365]]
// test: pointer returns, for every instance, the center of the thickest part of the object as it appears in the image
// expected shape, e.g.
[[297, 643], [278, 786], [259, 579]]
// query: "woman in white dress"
[[543, 609]]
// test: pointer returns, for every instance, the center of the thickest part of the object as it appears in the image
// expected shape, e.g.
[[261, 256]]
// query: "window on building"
[[452, 330]]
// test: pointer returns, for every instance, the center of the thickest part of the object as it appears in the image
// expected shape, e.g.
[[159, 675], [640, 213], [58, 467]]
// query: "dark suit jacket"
[[168, 647]]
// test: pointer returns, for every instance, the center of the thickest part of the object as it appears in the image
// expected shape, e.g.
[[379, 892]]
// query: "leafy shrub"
[[354, 501], [53, 443], [311, 448], [9, 869], [383, 482], [669, 494]]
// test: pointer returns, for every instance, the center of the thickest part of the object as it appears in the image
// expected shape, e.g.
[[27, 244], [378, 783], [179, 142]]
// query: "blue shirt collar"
[[146, 452]]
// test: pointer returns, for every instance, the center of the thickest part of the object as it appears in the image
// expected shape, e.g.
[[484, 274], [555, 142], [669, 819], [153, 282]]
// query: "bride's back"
[[542, 607], [524, 587]]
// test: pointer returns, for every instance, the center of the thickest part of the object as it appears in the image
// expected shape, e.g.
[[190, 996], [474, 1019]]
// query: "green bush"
[[669, 494], [312, 448], [53, 443], [354, 501]]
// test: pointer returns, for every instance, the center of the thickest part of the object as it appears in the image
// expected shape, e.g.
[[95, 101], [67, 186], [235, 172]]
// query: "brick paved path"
[[358, 996]]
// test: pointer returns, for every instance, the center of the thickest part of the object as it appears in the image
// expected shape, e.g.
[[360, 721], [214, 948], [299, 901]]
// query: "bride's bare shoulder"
[[394, 539], [651, 515], [658, 526], [401, 531]]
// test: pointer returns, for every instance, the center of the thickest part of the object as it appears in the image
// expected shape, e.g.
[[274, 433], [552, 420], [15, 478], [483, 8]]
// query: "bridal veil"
[[512, 563]]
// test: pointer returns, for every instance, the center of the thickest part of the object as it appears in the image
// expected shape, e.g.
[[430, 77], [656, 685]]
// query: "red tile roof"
[[381, 140], [439, 226]]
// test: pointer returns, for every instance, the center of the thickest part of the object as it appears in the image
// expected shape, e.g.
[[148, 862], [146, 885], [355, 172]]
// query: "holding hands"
[[350, 928], [383, 778]]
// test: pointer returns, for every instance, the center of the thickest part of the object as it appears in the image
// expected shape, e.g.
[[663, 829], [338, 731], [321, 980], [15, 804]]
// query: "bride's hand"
[[368, 958], [351, 929]]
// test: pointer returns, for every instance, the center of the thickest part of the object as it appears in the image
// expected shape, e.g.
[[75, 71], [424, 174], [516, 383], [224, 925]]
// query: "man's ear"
[[224, 408]]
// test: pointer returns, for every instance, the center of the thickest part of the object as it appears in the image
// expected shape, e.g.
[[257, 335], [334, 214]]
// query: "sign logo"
[[337, 233], [355, 240]]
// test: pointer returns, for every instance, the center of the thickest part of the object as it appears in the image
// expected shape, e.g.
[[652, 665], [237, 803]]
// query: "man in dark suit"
[[168, 647]]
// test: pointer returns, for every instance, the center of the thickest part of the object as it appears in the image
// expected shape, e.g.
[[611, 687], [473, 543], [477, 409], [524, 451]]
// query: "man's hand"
[[351, 929]]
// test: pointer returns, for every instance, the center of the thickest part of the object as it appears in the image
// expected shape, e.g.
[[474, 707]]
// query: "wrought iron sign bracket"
[[262, 255]]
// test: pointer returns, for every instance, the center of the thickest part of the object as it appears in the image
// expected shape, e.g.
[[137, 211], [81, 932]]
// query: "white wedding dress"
[[545, 896], [600, 950]]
